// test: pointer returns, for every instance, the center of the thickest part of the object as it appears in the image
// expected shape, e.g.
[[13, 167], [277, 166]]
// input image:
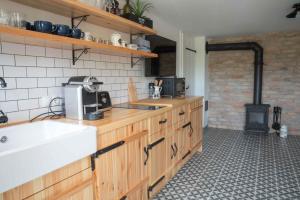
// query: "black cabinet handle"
[[181, 113], [163, 121], [146, 151], [176, 149], [150, 188], [173, 152], [124, 198]]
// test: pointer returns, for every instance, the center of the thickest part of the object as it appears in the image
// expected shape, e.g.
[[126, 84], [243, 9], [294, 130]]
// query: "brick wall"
[[33, 73], [231, 80]]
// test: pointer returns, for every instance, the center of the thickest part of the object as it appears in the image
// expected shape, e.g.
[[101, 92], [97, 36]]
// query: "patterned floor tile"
[[235, 165]]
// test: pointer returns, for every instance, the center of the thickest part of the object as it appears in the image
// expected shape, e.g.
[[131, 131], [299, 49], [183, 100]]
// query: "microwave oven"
[[173, 87]]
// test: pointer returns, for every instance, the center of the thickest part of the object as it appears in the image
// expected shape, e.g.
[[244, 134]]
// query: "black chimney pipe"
[[258, 62]]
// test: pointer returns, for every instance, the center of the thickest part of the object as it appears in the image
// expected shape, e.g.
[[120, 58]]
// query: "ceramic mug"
[[61, 29], [115, 39], [43, 26], [76, 33]]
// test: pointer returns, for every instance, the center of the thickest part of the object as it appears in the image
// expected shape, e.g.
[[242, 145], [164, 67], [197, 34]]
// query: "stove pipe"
[[258, 63]]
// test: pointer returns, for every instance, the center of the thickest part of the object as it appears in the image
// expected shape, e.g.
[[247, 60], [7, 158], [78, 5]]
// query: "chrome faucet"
[[3, 84]]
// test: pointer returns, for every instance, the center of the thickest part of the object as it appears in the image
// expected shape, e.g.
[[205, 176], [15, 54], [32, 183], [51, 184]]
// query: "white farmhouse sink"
[[35, 149]]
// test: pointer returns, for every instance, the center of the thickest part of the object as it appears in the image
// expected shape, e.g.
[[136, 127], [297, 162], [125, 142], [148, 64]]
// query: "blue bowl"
[[43, 26], [76, 33], [61, 29]]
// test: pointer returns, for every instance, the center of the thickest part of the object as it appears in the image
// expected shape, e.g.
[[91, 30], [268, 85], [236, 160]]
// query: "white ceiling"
[[215, 18]]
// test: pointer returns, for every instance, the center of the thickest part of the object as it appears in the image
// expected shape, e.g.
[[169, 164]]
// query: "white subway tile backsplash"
[[6, 59], [45, 62], [67, 54], [89, 64], [46, 82], [9, 106], [35, 50], [18, 116], [17, 94], [100, 65], [55, 53], [60, 81], [2, 95], [28, 104], [26, 82], [37, 93], [10, 71], [96, 72], [54, 72], [43, 70], [25, 61], [55, 92], [12, 48], [36, 72], [84, 72], [70, 72]]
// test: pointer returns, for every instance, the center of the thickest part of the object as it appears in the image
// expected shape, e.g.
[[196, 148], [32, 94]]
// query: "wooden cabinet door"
[[196, 120], [184, 141], [170, 152], [157, 165], [111, 171]]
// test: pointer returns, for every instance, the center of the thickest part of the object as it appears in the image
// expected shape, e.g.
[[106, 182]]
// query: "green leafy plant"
[[139, 7]]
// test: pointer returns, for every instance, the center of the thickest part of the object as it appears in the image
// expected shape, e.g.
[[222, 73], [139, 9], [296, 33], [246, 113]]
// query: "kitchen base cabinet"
[[121, 167]]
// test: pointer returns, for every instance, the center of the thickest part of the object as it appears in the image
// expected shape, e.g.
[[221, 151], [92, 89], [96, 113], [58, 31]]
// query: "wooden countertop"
[[167, 101], [118, 117]]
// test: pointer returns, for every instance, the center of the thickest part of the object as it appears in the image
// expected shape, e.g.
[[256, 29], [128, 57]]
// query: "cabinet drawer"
[[77, 187], [160, 122], [180, 115], [119, 134]]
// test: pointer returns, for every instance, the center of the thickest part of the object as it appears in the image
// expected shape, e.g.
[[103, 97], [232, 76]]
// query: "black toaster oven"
[[174, 87]]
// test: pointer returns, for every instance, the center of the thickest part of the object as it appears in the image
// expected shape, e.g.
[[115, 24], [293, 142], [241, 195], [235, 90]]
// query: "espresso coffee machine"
[[81, 98]]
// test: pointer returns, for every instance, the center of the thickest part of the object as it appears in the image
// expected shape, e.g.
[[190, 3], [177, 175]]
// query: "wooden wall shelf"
[[74, 8], [16, 35]]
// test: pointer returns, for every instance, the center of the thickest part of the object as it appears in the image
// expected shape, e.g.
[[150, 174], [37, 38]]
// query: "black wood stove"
[[257, 114]]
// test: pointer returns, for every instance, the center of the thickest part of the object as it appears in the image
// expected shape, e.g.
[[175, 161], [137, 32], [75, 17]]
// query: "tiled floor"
[[234, 165]]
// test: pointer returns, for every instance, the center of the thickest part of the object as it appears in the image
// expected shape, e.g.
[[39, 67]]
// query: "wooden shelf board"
[[74, 8], [16, 35]]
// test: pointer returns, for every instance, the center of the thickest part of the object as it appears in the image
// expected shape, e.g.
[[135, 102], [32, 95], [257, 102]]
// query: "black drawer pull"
[[150, 188], [163, 121], [109, 148], [186, 125], [176, 149], [146, 151], [181, 113], [124, 198], [173, 152], [188, 153], [150, 146]]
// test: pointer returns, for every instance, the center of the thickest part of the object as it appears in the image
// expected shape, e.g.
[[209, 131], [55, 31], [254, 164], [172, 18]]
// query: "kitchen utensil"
[[61, 29], [160, 83], [132, 96], [115, 39], [151, 89], [43, 26], [156, 83], [76, 33]]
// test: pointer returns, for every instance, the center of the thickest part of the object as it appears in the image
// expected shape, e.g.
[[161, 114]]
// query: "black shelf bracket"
[[76, 58], [81, 19]]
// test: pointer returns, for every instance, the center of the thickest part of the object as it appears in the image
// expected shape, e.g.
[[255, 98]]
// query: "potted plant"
[[137, 11]]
